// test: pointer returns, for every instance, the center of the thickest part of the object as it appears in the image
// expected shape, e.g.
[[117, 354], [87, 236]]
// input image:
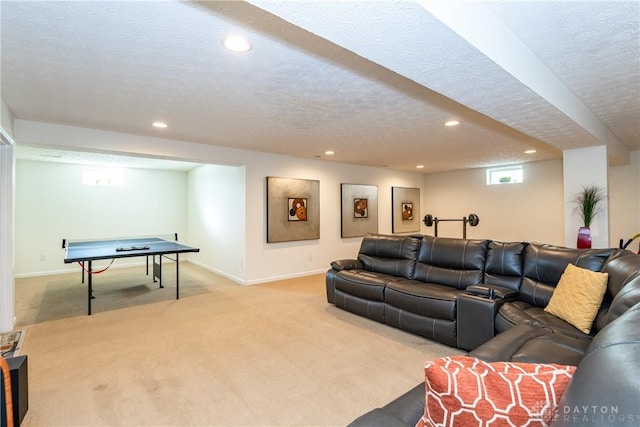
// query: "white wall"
[[52, 204], [624, 202], [531, 211], [7, 190], [584, 167], [216, 219], [271, 261], [262, 261]]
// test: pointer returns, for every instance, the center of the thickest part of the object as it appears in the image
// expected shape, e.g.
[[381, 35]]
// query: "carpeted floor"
[[275, 354]]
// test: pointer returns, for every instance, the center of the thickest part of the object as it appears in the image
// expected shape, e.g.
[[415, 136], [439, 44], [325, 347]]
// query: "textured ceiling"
[[372, 80]]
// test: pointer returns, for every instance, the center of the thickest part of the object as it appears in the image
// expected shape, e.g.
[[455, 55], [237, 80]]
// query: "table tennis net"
[[127, 242]]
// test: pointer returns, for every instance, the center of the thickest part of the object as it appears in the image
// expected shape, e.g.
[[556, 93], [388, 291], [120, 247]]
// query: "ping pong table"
[[85, 252]]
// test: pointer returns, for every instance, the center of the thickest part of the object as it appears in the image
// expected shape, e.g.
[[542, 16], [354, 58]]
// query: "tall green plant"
[[588, 203]]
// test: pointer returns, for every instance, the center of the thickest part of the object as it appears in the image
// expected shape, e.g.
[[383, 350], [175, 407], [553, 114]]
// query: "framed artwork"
[[297, 209], [405, 209], [293, 209], [359, 208]]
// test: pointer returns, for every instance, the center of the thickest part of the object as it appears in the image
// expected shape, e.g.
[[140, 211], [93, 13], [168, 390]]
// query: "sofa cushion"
[[363, 284], [453, 262], [514, 313], [628, 297], [622, 267], [623, 288], [364, 307], [504, 264], [578, 296], [544, 265], [465, 391], [394, 255], [522, 313], [424, 299], [440, 330], [527, 343]]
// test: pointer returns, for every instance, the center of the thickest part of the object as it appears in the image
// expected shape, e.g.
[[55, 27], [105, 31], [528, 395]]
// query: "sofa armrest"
[[346, 264], [606, 378], [476, 316], [492, 292]]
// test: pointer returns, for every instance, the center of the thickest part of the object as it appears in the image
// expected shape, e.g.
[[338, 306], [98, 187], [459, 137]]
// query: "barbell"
[[472, 220]]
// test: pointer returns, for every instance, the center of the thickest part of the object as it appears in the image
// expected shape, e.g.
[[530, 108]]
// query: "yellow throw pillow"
[[578, 296]]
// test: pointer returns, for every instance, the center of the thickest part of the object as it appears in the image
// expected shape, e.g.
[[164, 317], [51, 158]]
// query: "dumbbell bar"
[[472, 220]]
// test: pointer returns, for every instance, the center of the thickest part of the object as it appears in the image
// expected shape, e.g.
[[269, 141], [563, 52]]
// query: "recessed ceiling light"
[[236, 44], [452, 123], [529, 151], [329, 153], [420, 167], [160, 125]]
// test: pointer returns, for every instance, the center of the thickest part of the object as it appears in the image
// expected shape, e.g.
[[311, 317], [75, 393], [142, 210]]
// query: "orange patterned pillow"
[[465, 391]]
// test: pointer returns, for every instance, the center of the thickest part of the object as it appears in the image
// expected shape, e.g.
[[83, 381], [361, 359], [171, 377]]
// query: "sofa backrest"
[[395, 255], [453, 262], [544, 264], [623, 287], [505, 264]]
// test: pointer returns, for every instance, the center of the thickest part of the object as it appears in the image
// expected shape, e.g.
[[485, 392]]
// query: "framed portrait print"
[[405, 209], [293, 209], [359, 209]]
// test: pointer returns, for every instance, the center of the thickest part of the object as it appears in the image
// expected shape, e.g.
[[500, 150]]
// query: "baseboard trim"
[[260, 280]]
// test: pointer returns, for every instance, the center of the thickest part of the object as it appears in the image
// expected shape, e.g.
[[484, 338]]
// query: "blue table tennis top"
[[122, 248]]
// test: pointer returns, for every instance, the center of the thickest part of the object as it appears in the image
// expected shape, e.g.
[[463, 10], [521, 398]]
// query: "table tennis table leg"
[[89, 288], [177, 277], [157, 270]]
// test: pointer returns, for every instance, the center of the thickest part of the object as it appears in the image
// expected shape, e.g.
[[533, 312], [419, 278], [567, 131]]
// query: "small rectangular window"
[[103, 176], [505, 175]]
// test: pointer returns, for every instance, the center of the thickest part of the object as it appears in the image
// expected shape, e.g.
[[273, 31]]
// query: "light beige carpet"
[[275, 354]]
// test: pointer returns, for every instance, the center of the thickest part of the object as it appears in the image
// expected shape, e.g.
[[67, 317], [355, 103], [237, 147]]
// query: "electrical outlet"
[[310, 258], [241, 264], [43, 257]]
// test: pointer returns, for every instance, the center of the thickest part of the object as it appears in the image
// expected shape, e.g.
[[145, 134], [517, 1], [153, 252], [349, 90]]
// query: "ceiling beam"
[[481, 28]]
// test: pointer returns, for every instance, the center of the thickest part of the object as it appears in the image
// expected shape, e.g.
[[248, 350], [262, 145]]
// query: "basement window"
[[505, 175], [103, 176]]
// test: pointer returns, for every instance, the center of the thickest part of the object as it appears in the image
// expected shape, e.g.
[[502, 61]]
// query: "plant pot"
[[584, 238]]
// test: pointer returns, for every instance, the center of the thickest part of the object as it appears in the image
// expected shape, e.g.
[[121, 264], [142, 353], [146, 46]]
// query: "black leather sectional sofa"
[[488, 297]]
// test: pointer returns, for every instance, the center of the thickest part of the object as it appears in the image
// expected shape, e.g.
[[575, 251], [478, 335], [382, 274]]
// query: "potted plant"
[[588, 206]]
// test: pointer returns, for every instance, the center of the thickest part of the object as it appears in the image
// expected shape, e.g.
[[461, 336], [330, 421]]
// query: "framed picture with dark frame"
[[405, 210], [359, 209], [293, 209]]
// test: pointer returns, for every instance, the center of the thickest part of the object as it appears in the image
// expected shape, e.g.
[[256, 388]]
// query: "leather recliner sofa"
[[489, 297]]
